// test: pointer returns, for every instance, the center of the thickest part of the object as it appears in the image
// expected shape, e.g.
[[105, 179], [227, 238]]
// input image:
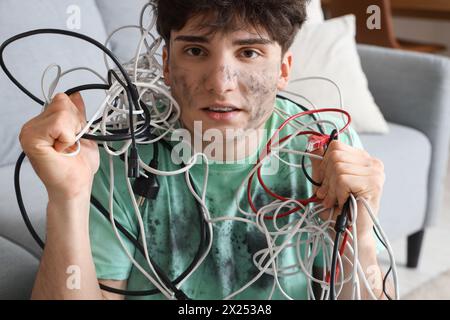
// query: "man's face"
[[225, 80]]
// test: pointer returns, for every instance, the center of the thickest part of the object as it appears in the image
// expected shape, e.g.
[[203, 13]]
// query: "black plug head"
[[147, 188], [133, 164]]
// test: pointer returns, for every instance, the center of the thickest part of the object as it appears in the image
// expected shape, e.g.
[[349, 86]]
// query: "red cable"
[[341, 252], [268, 149]]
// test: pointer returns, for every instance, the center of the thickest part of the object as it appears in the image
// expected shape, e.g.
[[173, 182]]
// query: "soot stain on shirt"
[[229, 269], [185, 226], [256, 241]]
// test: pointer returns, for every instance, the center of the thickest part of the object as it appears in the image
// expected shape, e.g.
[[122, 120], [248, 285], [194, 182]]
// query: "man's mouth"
[[222, 112], [221, 109]]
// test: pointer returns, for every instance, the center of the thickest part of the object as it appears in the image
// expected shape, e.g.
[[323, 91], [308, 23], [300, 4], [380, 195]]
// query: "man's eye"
[[196, 52], [250, 54]]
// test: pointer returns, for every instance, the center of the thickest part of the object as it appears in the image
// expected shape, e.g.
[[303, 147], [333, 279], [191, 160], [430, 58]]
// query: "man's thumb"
[[77, 100]]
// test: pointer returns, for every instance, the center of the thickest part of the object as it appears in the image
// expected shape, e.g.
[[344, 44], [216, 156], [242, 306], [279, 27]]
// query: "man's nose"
[[221, 79]]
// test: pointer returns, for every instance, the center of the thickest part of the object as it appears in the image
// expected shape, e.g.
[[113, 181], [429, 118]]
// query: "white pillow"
[[314, 12], [329, 50]]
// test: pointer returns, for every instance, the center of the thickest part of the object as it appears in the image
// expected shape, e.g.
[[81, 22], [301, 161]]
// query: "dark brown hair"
[[281, 19]]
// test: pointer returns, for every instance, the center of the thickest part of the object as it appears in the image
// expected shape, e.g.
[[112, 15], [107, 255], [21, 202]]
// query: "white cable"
[[305, 231], [168, 295], [386, 242]]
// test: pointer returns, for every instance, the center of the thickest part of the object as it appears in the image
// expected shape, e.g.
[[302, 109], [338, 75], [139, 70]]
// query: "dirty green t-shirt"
[[172, 225]]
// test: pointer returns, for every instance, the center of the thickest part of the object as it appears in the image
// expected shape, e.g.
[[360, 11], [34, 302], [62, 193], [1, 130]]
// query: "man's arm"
[[67, 269]]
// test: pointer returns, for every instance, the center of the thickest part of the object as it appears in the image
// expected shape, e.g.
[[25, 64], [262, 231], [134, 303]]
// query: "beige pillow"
[[328, 49]]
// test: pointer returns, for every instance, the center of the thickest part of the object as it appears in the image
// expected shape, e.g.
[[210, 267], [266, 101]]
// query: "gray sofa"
[[413, 91]]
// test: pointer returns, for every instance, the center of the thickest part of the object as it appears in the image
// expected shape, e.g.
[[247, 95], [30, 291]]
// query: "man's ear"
[[286, 66], [165, 55]]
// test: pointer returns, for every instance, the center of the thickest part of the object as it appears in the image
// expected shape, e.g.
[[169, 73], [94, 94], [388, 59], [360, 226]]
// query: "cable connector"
[[147, 188], [316, 142], [133, 163], [342, 219]]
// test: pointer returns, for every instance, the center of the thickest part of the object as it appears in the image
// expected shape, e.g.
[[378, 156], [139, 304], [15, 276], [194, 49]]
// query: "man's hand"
[[346, 170], [53, 132]]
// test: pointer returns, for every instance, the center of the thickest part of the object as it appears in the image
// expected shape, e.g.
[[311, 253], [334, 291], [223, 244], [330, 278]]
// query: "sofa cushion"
[[28, 58], [17, 275], [406, 154], [35, 199], [116, 14]]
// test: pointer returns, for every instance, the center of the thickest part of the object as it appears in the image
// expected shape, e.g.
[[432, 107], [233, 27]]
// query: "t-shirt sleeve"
[[111, 261]]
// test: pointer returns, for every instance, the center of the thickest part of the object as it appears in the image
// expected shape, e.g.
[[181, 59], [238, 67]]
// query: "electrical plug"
[[133, 163], [146, 188]]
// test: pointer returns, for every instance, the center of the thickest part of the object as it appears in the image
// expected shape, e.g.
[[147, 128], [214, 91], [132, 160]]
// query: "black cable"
[[339, 228], [130, 88], [60, 32], [93, 86], [390, 267], [334, 260], [307, 176], [341, 220], [22, 209], [121, 135], [333, 136], [143, 131], [333, 266], [384, 283], [179, 294], [204, 233], [133, 100], [139, 246], [303, 108]]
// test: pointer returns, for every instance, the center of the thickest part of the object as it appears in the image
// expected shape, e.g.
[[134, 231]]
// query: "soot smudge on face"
[[261, 89], [258, 88], [179, 80]]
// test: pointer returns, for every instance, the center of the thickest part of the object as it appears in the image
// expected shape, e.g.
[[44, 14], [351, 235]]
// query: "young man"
[[224, 62]]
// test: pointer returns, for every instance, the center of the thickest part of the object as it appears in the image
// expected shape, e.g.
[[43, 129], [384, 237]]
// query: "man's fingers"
[[64, 144], [330, 197], [336, 159], [322, 190], [341, 187], [62, 128]]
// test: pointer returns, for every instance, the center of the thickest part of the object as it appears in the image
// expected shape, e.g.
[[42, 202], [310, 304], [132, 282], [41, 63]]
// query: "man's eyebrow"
[[238, 42], [198, 39], [252, 41]]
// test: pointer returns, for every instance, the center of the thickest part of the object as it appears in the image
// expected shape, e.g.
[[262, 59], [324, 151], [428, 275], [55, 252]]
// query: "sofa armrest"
[[17, 271], [413, 89]]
